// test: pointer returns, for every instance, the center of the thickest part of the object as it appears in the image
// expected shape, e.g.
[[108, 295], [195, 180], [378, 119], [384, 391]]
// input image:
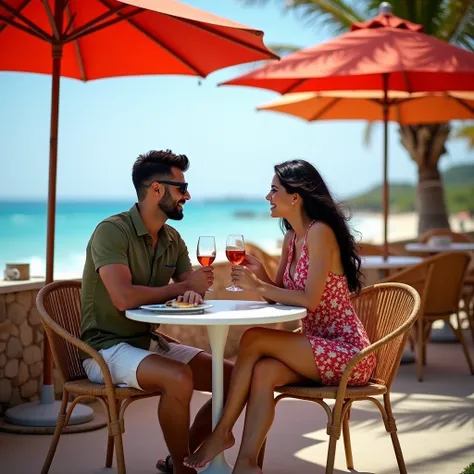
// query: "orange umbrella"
[[93, 39], [401, 107], [384, 54]]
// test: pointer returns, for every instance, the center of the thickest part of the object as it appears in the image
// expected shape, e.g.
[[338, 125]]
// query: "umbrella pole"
[[385, 166], [45, 413], [53, 165]]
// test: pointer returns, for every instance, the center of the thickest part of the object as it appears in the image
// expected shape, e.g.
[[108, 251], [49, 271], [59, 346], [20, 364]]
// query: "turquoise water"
[[23, 229]]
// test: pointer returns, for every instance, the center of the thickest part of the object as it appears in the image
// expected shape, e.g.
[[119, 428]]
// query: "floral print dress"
[[333, 328]]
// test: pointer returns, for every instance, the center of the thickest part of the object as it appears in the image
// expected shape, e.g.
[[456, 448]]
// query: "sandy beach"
[[404, 227]]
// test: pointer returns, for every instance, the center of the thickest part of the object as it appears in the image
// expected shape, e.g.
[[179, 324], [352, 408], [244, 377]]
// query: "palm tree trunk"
[[426, 144]]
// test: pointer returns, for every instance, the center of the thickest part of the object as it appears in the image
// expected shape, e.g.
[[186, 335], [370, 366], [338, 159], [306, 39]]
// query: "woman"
[[319, 268]]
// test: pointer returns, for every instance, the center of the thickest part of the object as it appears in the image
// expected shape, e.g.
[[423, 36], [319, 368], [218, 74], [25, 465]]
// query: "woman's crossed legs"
[[267, 359]]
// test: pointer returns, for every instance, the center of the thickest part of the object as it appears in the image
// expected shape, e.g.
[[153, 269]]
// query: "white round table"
[[431, 248], [218, 318], [392, 261]]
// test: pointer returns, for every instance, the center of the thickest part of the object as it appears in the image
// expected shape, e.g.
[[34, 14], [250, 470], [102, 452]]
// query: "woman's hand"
[[244, 277], [254, 265], [191, 297]]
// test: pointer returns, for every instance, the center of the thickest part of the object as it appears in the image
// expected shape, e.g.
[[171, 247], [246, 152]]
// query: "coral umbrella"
[[384, 54], [93, 39]]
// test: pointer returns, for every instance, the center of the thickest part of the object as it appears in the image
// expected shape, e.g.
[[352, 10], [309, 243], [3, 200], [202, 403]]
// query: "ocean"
[[23, 229]]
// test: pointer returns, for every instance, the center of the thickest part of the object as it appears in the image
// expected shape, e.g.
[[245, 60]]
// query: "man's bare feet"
[[215, 444], [244, 467]]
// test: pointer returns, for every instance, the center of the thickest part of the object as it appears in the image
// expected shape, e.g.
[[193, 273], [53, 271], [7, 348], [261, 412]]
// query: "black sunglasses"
[[183, 187]]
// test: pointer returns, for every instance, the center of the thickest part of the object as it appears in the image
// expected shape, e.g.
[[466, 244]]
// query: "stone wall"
[[21, 348]]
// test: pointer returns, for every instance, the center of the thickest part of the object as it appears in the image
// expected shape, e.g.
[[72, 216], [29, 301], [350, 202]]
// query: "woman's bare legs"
[[268, 373], [293, 350]]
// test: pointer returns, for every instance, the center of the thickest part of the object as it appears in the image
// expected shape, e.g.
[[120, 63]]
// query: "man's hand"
[[191, 297], [201, 279]]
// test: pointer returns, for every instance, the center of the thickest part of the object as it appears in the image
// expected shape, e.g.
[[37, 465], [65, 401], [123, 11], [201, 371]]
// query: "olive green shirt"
[[123, 239]]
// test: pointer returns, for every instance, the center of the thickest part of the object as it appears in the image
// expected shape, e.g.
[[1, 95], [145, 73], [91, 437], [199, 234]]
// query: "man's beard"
[[170, 208]]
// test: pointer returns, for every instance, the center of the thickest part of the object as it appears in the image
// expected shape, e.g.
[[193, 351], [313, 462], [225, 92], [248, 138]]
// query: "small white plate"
[[162, 308]]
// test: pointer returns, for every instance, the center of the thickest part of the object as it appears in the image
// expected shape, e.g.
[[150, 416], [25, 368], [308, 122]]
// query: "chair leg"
[[110, 451], [57, 433], [460, 335], [391, 427], [110, 444], [261, 455], [331, 454], [470, 317], [421, 348], [347, 440], [115, 431]]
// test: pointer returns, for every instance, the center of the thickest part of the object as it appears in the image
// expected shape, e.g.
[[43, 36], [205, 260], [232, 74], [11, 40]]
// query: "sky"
[[105, 124]]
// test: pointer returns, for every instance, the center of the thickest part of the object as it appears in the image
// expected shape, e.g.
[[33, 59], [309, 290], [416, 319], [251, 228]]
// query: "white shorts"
[[123, 361]]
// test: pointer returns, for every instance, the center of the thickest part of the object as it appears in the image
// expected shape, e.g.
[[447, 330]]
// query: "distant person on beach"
[[319, 267], [130, 260]]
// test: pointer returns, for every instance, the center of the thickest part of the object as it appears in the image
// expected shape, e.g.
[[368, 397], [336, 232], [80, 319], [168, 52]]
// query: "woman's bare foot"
[[183, 470], [214, 445], [244, 467]]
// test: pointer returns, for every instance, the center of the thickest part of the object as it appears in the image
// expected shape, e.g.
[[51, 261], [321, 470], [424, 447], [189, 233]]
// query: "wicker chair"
[[59, 304], [388, 312], [439, 280], [467, 294]]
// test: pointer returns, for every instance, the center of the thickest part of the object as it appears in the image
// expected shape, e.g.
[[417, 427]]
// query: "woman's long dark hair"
[[301, 177]]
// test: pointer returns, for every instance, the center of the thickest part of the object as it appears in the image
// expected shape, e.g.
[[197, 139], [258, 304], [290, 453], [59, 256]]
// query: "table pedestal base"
[[218, 466], [217, 339]]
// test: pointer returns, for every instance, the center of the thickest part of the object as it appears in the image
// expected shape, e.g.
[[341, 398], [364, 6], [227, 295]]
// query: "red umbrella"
[[384, 54], [93, 39]]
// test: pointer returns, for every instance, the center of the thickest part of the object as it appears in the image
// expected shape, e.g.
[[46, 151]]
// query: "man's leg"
[[201, 367], [175, 382]]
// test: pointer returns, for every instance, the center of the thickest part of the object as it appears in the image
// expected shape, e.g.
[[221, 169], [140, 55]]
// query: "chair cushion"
[[86, 387], [331, 391]]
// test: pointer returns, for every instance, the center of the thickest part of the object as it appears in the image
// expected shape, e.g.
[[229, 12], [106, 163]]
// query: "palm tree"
[[449, 20]]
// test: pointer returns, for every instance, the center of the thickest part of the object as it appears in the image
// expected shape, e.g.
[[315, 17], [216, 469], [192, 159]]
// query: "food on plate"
[[180, 304]]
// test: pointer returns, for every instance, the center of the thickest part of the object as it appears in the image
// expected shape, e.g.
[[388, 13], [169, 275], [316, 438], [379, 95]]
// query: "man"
[[130, 260]]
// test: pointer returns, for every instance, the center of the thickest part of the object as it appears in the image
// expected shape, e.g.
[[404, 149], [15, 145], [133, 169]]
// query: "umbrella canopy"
[[109, 38], [384, 54], [92, 39], [403, 108]]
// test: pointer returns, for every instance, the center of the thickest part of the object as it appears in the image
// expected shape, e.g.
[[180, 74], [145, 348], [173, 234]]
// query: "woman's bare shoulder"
[[321, 231]]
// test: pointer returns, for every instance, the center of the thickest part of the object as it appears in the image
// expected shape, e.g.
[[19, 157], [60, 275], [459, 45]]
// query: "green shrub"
[[469, 469]]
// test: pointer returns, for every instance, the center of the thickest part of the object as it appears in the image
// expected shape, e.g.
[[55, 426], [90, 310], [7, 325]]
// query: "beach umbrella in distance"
[[401, 107], [384, 54], [93, 39]]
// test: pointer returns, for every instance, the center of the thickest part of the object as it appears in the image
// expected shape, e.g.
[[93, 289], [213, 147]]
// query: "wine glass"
[[206, 251], [235, 252]]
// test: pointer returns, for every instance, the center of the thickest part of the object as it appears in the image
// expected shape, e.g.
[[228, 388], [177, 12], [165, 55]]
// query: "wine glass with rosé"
[[206, 251], [235, 252]]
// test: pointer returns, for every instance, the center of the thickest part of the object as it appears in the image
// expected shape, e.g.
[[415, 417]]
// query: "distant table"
[[218, 318], [392, 261], [430, 248]]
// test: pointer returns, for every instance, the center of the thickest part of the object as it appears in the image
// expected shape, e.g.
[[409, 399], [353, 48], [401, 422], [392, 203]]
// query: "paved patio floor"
[[435, 420]]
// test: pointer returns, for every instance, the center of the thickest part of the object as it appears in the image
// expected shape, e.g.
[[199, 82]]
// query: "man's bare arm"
[[124, 295]]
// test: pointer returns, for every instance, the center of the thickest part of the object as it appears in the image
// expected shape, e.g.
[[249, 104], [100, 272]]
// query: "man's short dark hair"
[[155, 165]]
